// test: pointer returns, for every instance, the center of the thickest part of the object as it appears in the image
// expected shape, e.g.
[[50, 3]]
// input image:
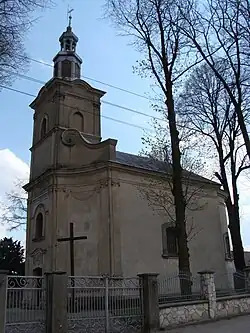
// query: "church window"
[[66, 68], [43, 128], [39, 226], [67, 45], [170, 241], [227, 246], [78, 121]]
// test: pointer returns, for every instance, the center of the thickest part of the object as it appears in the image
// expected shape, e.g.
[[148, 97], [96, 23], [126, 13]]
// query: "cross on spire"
[[69, 16]]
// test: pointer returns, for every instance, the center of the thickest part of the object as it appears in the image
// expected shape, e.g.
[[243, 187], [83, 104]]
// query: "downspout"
[[110, 222]]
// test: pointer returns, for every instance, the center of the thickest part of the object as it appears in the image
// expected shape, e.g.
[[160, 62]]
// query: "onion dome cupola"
[[67, 63]]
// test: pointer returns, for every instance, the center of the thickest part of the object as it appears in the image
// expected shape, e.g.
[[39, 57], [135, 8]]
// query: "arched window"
[[39, 226], [43, 130], [227, 246], [67, 45], [169, 241], [78, 121]]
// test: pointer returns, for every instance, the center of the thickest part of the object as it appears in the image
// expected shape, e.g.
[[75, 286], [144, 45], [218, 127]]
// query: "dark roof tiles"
[[151, 164]]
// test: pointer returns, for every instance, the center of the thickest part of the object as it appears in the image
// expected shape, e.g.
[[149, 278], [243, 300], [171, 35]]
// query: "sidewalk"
[[239, 324]]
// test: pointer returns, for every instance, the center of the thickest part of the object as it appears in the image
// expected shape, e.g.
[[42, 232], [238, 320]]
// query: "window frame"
[[73, 120], [39, 236], [43, 127], [66, 68], [165, 241], [226, 243]]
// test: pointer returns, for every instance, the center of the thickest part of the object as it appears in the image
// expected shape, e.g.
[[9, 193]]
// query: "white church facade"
[[76, 177]]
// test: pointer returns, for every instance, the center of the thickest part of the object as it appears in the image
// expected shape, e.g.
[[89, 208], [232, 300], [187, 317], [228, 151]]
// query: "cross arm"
[[67, 239]]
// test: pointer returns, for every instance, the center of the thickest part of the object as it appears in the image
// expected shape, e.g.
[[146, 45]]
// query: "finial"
[[69, 16]]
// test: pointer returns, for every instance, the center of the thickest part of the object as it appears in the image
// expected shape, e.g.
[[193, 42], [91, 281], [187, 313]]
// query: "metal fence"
[[104, 304], [25, 304], [230, 283], [178, 287]]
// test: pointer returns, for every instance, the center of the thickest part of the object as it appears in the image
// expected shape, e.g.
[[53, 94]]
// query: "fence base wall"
[[183, 313], [227, 307]]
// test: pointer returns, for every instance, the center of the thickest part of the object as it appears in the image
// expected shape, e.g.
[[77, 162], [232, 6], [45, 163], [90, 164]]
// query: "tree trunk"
[[234, 223], [232, 208], [179, 200], [243, 129], [234, 227]]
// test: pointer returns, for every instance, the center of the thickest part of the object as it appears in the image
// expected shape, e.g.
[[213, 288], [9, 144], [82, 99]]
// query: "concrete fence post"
[[56, 302], [150, 302], [3, 299], [208, 291]]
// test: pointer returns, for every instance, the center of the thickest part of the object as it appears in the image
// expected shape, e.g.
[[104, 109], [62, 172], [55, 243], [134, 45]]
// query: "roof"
[[150, 164]]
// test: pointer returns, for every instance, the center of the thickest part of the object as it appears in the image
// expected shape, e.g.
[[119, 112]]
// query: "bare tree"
[[15, 21], [220, 29], [14, 207], [210, 114], [150, 23], [158, 190]]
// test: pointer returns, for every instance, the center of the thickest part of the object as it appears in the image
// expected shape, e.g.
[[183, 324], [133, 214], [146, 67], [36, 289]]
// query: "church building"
[[75, 177]]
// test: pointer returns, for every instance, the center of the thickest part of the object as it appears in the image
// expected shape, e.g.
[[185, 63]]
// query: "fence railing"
[[170, 288], [25, 304], [230, 283], [179, 287], [104, 304]]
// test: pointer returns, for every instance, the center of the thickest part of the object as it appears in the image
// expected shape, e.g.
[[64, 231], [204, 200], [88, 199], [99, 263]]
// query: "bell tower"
[[66, 139]]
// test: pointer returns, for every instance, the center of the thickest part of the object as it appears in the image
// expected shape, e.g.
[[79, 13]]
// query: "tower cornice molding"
[[58, 82]]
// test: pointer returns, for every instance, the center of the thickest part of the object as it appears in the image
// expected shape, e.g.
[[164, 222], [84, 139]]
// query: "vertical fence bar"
[[3, 299], [106, 305]]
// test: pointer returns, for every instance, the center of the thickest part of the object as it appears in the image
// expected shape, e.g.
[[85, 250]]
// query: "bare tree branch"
[[206, 106], [14, 208], [15, 21]]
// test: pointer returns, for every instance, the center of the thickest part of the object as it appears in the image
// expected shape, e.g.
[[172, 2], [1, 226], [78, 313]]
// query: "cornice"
[[53, 82], [99, 166], [156, 174]]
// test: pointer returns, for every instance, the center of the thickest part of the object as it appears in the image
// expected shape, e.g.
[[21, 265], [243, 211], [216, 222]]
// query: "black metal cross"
[[71, 239]]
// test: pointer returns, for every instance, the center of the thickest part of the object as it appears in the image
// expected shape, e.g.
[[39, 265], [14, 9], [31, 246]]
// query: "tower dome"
[[67, 63]]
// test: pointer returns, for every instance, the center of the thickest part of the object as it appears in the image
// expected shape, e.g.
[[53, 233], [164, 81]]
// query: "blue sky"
[[106, 57]]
